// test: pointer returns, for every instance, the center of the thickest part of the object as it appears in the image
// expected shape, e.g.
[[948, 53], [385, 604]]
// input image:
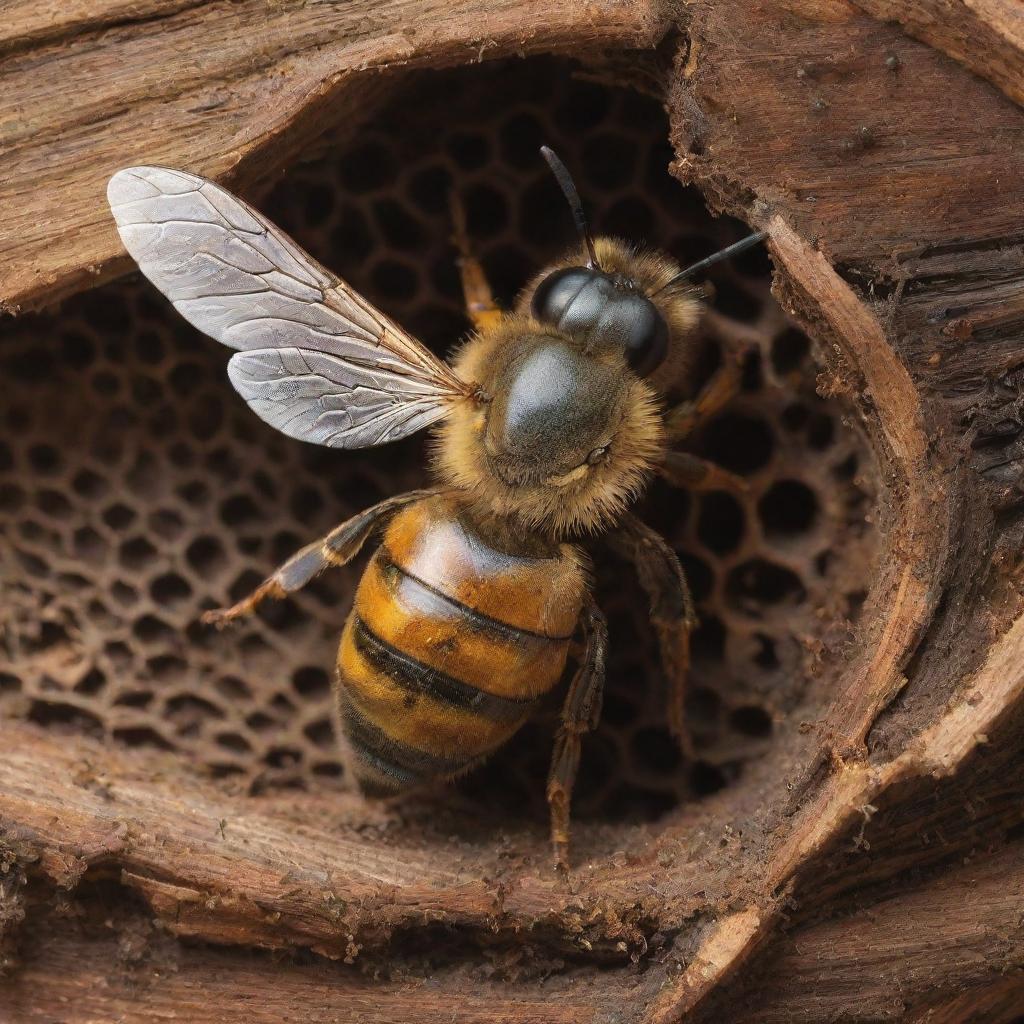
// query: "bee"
[[548, 423]]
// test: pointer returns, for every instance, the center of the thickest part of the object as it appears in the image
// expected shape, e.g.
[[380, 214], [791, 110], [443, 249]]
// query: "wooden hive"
[[175, 835]]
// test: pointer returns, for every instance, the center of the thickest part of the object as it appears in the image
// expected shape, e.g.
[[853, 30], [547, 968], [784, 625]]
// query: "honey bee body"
[[451, 644], [548, 424]]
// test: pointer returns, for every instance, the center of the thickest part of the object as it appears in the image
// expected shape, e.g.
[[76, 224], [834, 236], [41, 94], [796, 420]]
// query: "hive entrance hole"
[[136, 489]]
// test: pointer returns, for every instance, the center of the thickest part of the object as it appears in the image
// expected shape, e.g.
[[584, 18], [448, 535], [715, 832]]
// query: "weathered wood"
[[227, 90]]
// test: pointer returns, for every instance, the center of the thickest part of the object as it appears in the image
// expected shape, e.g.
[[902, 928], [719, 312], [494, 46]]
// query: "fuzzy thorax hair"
[[594, 497]]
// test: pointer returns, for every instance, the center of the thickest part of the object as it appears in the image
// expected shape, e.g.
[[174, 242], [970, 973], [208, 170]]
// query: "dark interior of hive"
[[137, 490]]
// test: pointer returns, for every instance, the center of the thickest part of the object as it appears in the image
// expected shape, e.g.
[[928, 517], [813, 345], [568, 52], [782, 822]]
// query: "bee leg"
[[580, 714], [672, 611], [339, 546], [681, 469], [683, 420], [480, 304]]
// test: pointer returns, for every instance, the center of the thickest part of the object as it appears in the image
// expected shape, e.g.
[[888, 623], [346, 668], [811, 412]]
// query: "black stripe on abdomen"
[[413, 675], [397, 762]]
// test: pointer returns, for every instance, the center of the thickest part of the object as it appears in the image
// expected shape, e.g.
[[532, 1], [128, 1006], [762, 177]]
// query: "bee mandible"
[[548, 423]]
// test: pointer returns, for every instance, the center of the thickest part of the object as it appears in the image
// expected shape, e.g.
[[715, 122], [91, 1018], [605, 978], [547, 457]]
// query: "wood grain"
[[230, 90]]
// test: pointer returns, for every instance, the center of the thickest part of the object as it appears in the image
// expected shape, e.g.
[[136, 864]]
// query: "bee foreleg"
[[339, 546], [672, 611], [724, 386], [681, 469], [480, 304], [580, 714]]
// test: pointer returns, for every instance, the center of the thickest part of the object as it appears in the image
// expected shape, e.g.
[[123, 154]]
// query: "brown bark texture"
[[872, 868]]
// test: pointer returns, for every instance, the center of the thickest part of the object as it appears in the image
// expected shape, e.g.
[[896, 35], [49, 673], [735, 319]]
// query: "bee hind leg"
[[580, 714], [681, 469], [682, 420], [339, 546], [672, 611], [480, 304]]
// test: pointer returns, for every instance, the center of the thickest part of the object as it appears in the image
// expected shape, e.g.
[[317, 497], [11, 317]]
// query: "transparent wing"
[[317, 361]]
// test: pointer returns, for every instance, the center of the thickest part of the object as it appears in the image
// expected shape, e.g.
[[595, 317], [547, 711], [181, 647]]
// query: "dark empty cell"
[[754, 263], [520, 138], [6, 458], [53, 504], [630, 218], [328, 770], [145, 391], [789, 349], [188, 706], [134, 699], [847, 469], [617, 709], [766, 656], [142, 736], [145, 478], [758, 582], [65, 717], [74, 581], [311, 681], [9, 683], [44, 458], [77, 349], [239, 510], [206, 417], [597, 767], [821, 562], [166, 667], [583, 107], [233, 688], [12, 497], [750, 720], [125, 595], [698, 574], [655, 751], [150, 629], [703, 706], [150, 347], [317, 204], [119, 654], [321, 733], [544, 219], [260, 722], [118, 516], [636, 111], [91, 683], [283, 757], [395, 281], [486, 211], [608, 162], [234, 742], [306, 502], [206, 555], [429, 187], [707, 642], [88, 545], [789, 507], [445, 277], [136, 553], [664, 508], [637, 803], [821, 432], [186, 379], [795, 416], [751, 376], [706, 778], [367, 167], [106, 384], [283, 545], [720, 523], [165, 523], [507, 268], [169, 589], [437, 326], [106, 311], [282, 704], [398, 227], [108, 449], [738, 442], [101, 616], [351, 239], [470, 150], [734, 301]]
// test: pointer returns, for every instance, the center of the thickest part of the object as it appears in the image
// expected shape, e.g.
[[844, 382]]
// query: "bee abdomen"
[[449, 648]]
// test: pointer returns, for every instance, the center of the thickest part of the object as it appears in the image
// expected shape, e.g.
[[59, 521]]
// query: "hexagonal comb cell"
[[136, 489]]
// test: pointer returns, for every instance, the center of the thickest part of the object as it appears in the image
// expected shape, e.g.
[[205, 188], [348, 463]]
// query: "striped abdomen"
[[449, 647]]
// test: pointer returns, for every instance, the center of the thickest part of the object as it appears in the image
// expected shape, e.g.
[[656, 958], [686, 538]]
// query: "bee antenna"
[[723, 254], [568, 187]]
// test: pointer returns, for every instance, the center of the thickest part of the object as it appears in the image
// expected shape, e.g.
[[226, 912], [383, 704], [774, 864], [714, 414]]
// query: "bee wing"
[[317, 361]]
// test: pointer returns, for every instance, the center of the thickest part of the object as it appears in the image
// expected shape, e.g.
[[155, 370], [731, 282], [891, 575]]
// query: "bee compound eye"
[[558, 291], [644, 335]]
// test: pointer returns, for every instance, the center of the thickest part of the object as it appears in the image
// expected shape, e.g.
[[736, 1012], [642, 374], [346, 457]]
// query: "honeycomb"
[[136, 490]]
